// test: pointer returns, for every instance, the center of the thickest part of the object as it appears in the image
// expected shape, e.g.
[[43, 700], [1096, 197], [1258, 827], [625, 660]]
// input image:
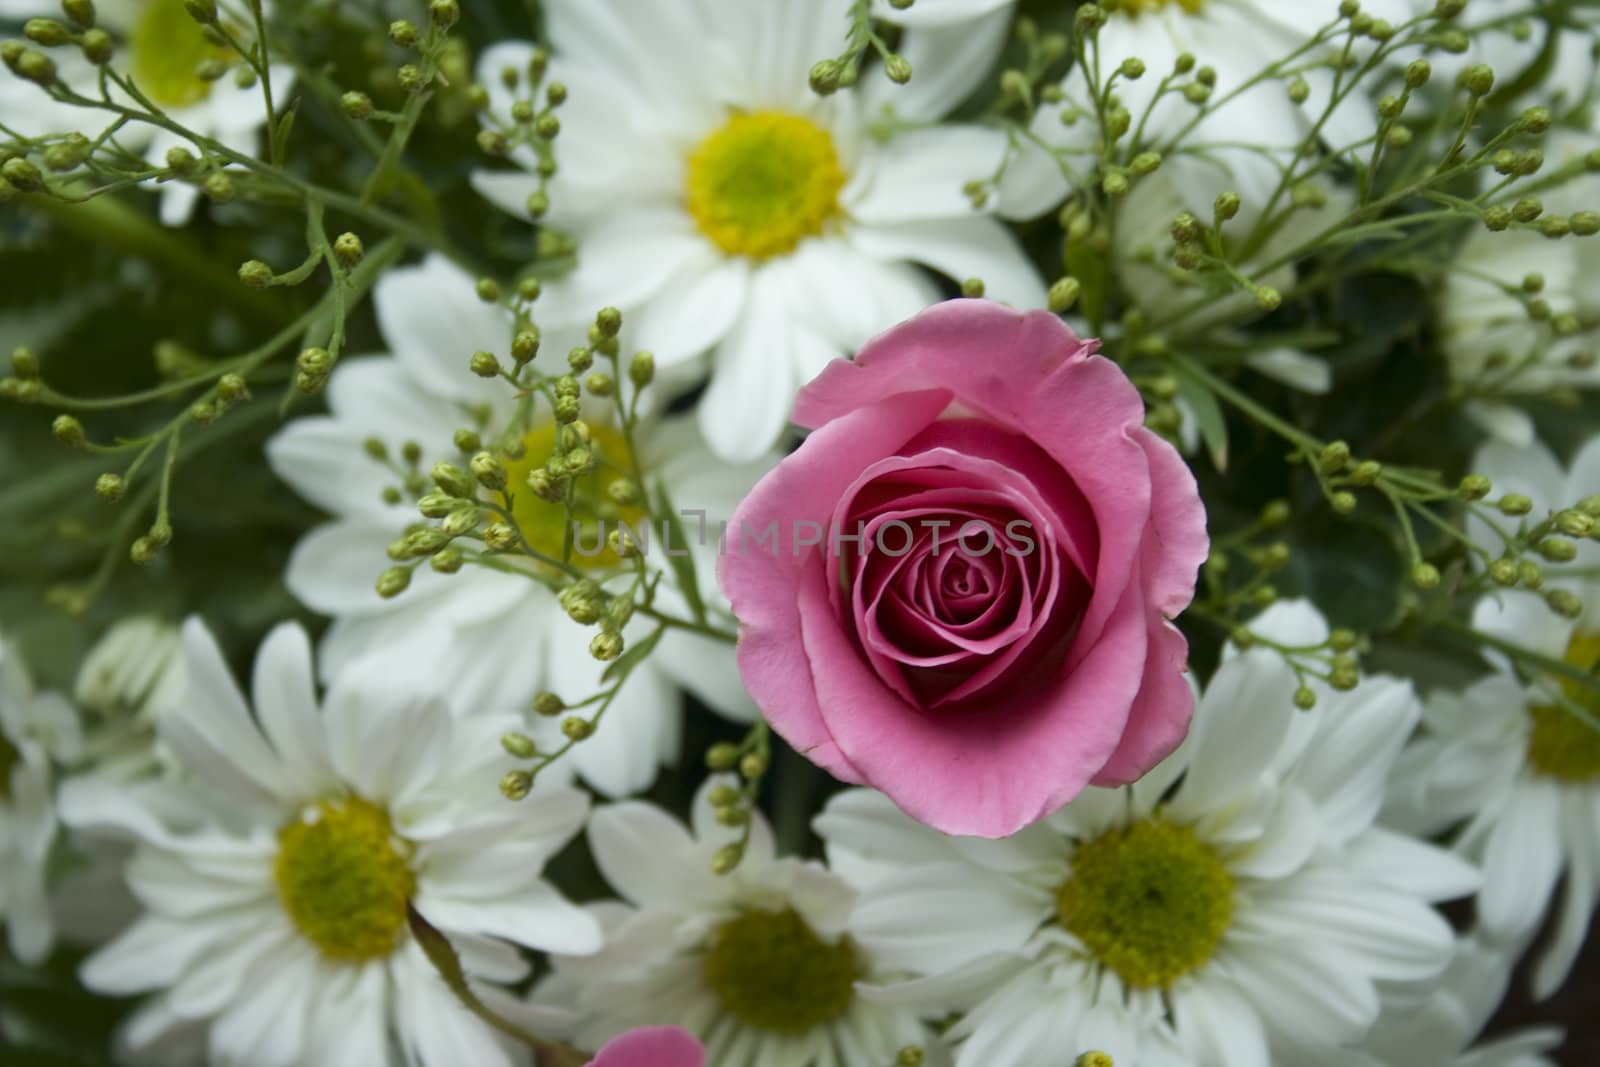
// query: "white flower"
[[1506, 759], [726, 207], [1493, 346], [1234, 908], [494, 638], [159, 47], [35, 729], [1238, 40], [281, 923], [756, 963], [132, 676], [1437, 1023]]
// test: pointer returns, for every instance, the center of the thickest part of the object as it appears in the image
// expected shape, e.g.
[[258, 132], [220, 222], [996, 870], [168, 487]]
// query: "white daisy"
[[1438, 1024], [1505, 760], [1235, 908], [282, 922], [1494, 348], [1237, 39], [726, 207], [501, 636], [159, 47], [755, 963], [36, 729]]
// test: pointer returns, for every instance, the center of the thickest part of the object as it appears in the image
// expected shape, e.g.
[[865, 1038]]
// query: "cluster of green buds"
[[532, 122], [452, 509], [828, 76], [1554, 540], [745, 763]]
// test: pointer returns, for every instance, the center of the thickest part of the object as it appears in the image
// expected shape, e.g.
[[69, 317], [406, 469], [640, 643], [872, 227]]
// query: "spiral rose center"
[[344, 878], [771, 971], [1564, 744], [1152, 901], [764, 182]]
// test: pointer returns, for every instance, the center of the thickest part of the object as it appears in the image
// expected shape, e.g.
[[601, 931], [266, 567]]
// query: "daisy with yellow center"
[[1512, 762], [733, 214], [503, 634], [757, 964], [290, 942], [1153, 922]]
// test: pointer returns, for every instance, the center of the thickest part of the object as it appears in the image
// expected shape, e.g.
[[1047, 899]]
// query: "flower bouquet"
[[799, 533]]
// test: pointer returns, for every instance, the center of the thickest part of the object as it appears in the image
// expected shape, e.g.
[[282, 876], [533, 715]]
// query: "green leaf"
[[1208, 416], [280, 136], [631, 656], [1353, 570]]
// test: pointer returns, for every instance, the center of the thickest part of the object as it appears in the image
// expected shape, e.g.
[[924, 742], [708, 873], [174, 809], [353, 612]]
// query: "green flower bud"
[[68, 430], [1477, 79], [1305, 698], [972, 288], [1527, 209], [547, 704], [1334, 457], [1299, 89], [232, 388], [24, 363], [1503, 572], [392, 582], [490, 472], [516, 785], [348, 249], [1227, 206], [23, 175], [600, 384], [1115, 184], [218, 187], [1425, 576], [520, 746], [525, 345], [824, 77], [461, 521], [1555, 226], [727, 858], [484, 365], [576, 728], [1585, 223], [897, 67], [1529, 574], [753, 765], [1418, 71], [1515, 504], [1343, 502], [1132, 68], [1564, 603], [81, 12], [46, 32], [255, 274], [451, 479], [1497, 218], [1064, 294], [1558, 550], [109, 487], [447, 560], [97, 46], [356, 105], [1474, 487], [722, 756], [547, 127], [1535, 120], [444, 13], [36, 67], [499, 537], [606, 646]]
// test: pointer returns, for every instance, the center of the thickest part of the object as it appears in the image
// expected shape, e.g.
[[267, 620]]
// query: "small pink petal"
[[651, 1046]]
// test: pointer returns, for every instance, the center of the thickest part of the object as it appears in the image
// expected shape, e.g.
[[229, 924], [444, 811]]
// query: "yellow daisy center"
[[167, 47], [764, 182], [1152, 901], [1562, 745], [9, 758], [1136, 8], [344, 878], [544, 523], [771, 971]]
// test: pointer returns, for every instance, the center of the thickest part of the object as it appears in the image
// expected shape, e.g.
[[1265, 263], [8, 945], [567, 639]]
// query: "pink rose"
[[980, 681], [651, 1046]]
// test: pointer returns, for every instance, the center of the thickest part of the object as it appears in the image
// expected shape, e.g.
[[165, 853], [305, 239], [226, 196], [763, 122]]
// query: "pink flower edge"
[[651, 1046]]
